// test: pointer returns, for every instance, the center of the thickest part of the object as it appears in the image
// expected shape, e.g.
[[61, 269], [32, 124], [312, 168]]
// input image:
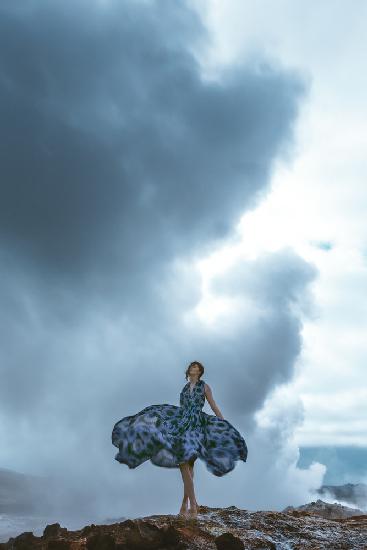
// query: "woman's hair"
[[201, 367]]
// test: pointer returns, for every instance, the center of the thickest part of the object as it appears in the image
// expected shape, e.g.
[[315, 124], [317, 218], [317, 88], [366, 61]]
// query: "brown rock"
[[101, 541], [215, 529], [53, 530], [57, 544], [227, 541]]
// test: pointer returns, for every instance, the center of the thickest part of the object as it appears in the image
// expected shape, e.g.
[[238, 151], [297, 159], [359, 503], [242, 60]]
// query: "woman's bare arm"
[[212, 403]]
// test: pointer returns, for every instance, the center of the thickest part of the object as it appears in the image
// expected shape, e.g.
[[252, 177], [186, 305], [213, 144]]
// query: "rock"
[[352, 493], [171, 536], [57, 544], [144, 535], [228, 528], [25, 541], [227, 541], [326, 510], [53, 530], [101, 541]]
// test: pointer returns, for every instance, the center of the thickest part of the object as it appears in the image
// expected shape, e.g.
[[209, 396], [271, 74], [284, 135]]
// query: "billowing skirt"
[[169, 435]]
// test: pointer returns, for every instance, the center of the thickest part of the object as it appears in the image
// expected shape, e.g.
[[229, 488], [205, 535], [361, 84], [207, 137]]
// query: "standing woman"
[[174, 437]]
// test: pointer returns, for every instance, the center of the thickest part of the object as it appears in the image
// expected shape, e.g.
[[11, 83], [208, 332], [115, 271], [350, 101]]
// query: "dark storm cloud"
[[119, 163], [114, 150]]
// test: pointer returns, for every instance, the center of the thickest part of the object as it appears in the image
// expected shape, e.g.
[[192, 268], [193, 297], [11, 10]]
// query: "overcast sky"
[[317, 205], [180, 181]]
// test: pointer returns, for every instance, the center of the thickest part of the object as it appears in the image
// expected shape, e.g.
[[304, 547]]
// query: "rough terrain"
[[214, 529]]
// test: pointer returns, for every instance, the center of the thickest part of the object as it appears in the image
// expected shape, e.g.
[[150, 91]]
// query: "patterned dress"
[[169, 435]]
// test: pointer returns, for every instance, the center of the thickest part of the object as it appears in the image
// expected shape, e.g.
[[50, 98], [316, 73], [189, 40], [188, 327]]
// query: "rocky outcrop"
[[351, 493], [215, 529], [327, 510]]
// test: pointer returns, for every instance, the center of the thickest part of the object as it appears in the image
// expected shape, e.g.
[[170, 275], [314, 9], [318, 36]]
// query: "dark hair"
[[201, 367]]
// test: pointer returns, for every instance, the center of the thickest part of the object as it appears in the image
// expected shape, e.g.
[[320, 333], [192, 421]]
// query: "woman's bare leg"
[[189, 491], [185, 500], [192, 464]]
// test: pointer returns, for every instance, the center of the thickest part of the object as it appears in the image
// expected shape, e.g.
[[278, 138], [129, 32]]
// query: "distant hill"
[[22, 493], [326, 510], [352, 493]]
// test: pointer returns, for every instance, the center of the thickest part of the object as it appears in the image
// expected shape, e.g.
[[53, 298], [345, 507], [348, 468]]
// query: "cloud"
[[120, 166], [271, 296]]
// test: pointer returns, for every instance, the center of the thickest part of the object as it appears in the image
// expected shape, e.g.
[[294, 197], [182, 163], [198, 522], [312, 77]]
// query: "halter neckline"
[[196, 383]]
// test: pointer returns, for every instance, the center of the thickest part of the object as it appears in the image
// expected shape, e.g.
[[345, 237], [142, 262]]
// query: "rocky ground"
[[215, 528], [327, 510]]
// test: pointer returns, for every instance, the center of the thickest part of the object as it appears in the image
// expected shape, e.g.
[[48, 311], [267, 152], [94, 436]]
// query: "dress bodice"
[[195, 398]]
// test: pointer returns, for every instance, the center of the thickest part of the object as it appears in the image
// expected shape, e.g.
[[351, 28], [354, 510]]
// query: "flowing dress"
[[169, 435]]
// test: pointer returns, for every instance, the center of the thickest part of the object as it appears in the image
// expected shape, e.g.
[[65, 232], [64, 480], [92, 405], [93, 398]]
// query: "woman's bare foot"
[[183, 510], [193, 512]]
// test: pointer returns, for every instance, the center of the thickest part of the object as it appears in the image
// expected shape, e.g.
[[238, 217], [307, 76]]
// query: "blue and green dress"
[[169, 435]]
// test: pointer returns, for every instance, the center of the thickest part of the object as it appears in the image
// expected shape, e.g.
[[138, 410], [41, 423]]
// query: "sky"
[[317, 204], [181, 181]]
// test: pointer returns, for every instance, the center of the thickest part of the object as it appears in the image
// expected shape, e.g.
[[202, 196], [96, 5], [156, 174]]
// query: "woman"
[[174, 437]]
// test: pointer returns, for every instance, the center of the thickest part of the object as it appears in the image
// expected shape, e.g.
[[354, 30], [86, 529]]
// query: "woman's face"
[[194, 370]]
